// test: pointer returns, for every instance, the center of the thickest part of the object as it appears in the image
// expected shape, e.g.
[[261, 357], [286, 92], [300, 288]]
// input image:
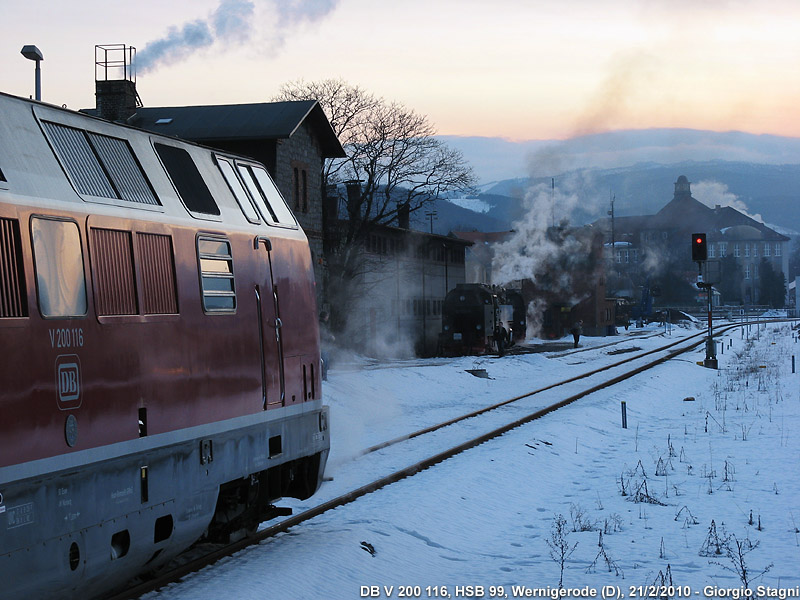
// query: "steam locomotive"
[[471, 314], [160, 377]]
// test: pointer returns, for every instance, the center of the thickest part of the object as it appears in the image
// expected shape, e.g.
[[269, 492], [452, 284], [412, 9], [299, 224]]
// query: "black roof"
[[264, 120]]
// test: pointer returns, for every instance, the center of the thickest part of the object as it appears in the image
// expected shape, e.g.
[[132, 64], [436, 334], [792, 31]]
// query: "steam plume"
[[233, 23], [713, 193]]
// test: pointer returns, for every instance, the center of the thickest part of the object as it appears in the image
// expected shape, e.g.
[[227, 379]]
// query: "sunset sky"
[[541, 69]]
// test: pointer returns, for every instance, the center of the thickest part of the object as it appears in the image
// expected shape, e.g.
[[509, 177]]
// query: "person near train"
[[501, 338], [576, 331]]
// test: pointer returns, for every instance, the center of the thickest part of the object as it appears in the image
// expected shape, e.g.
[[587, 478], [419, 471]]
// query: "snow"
[[474, 204], [710, 445]]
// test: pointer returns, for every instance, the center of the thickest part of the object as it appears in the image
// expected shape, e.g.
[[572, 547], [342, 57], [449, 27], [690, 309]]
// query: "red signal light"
[[699, 249]]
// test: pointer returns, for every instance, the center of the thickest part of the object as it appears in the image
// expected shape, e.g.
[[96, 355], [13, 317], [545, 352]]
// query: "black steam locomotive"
[[473, 313]]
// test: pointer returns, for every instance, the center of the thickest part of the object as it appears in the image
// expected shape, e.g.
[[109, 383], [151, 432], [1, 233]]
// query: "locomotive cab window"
[[187, 180], [58, 258], [217, 284], [239, 193], [267, 196]]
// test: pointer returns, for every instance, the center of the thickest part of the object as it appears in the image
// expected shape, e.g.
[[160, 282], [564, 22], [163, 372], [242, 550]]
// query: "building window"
[[723, 249], [711, 251], [216, 274], [296, 188], [736, 251], [777, 248], [304, 189], [766, 249], [747, 250], [747, 271], [58, 258], [755, 249]]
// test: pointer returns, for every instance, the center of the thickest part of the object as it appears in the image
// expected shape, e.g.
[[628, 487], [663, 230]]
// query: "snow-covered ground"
[[700, 446]]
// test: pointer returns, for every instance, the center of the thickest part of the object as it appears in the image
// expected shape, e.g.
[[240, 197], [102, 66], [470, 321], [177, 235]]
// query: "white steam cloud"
[[714, 193], [544, 250], [232, 23]]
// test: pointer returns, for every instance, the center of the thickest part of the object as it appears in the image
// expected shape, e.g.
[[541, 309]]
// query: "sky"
[[700, 446], [521, 70]]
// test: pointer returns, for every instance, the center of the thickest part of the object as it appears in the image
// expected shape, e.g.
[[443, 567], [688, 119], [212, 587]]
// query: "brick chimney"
[[115, 82], [403, 215]]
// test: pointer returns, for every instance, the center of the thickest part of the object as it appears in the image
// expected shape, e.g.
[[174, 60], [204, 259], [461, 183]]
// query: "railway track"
[[593, 381]]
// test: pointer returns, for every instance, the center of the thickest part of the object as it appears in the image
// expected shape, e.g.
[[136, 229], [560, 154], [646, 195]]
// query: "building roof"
[[481, 237], [401, 231], [264, 120], [686, 214]]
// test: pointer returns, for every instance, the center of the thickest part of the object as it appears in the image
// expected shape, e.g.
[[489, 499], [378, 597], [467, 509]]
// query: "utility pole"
[[432, 215], [613, 238]]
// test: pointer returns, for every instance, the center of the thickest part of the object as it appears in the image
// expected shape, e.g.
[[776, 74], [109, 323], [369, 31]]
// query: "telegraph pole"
[[613, 238]]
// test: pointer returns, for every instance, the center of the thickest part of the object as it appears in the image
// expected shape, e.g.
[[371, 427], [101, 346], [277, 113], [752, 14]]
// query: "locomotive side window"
[[100, 166], [187, 180], [12, 281], [238, 191], [216, 274], [257, 177], [58, 258], [112, 266]]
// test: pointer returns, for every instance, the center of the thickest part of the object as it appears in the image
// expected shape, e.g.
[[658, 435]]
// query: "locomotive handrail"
[[262, 238]]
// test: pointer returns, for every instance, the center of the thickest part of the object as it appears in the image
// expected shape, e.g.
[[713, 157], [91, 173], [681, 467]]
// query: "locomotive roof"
[[39, 153]]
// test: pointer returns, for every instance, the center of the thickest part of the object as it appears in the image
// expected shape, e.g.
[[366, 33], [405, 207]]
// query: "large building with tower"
[[656, 248]]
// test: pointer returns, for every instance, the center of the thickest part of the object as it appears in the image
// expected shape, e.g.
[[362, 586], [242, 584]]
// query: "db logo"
[[68, 381]]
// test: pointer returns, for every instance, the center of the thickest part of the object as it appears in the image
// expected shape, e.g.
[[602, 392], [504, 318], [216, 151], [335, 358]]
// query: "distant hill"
[[497, 159], [768, 192]]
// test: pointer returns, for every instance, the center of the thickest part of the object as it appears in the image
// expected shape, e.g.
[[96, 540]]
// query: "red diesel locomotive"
[[160, 374]]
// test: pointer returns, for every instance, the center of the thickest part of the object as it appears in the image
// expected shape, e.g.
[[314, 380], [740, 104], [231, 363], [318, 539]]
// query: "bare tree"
[[347, 107], [397, 162]]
